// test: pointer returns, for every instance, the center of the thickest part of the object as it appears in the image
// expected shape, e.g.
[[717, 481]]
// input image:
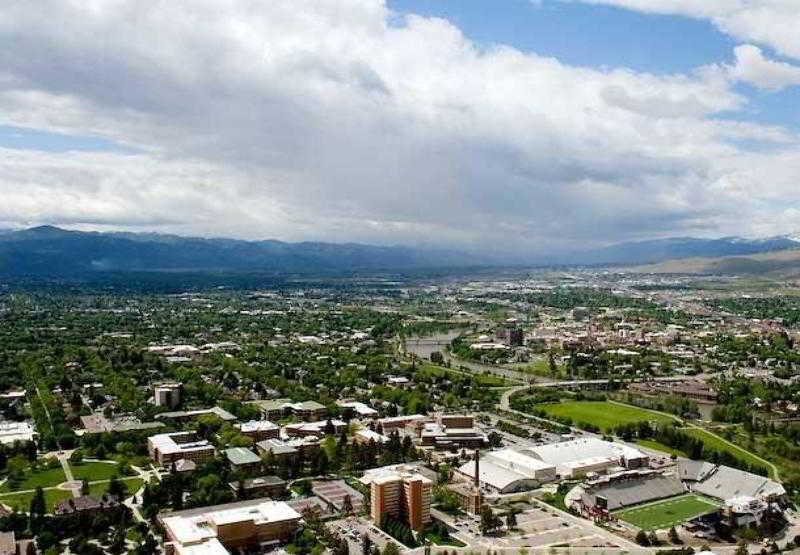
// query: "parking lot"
[[537, 527], [354, 528]]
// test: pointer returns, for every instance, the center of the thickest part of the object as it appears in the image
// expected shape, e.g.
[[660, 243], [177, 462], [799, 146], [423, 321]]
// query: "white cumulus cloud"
[[300, 119]]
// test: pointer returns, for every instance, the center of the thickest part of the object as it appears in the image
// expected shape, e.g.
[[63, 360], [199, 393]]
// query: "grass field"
[[21, 502], [603, 414], [651, 444], [663, 514], [713, 442], [92, 471], [133, 485], [32, 479]]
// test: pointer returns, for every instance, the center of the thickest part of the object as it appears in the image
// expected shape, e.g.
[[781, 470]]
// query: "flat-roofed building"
[[402, 496], [244, 525], [243, 459], [167, 394], [318, 429], [271, 409], [456, 420], [577, 457], [16, 431], [259, 430], [188, 415], [289, 449], [167, 449], [309, 411], [510, 470], [365, 435], [434, 434], [261, 486], [357, 409], [399, 423]]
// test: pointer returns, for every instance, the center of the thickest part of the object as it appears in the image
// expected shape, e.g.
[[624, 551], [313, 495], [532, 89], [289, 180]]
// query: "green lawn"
[[94, 470], [21, 502], [718, 444], [133, 486], [663, 514], [32, 479], [651, 444], [603, 414]]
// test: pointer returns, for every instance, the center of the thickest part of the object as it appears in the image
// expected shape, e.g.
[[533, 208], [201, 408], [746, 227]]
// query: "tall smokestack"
[[477, 469]]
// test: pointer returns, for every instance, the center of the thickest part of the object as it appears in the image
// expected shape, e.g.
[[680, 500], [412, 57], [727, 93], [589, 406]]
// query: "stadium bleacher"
[[632, 489]]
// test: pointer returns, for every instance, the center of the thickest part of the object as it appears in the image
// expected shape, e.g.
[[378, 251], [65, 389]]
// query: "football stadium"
[[668, 512], [655, 500]]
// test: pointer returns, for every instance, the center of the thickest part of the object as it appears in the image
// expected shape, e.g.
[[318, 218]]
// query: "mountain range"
[[48, 251]]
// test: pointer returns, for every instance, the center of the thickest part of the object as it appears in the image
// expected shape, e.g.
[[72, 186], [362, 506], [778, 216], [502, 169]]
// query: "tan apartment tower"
[[403, 497]]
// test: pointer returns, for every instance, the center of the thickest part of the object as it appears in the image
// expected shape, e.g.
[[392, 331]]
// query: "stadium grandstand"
[[725, 483], [692, 489], [624, 489]]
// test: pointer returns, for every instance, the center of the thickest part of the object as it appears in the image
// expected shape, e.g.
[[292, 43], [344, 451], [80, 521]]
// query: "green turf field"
[[663, 514], [602, 414]]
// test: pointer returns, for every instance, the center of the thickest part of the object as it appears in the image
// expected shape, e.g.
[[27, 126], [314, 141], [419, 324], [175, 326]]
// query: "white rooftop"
[[569, 453], [257, 425], [199, 527]]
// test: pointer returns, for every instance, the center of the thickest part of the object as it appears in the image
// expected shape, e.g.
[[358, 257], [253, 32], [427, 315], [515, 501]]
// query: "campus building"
[[222, 529], [402, 496], [259, 430], [167, 449], [167, 395]]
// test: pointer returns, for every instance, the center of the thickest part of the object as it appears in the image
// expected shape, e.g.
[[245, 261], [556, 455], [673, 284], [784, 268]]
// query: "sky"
[[504, 126]]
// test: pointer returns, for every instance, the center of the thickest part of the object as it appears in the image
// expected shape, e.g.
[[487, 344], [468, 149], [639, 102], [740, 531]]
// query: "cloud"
[[344, 121], [752, 67], [773, 23]]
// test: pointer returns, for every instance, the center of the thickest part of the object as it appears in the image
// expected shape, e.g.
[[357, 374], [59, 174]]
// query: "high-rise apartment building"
[[401, 496]]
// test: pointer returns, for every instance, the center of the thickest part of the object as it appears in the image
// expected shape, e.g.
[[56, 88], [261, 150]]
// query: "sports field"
[[602, 414], [663, 514]]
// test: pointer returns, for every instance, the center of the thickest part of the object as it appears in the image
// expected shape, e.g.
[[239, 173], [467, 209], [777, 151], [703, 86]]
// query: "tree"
[[673, 535], [347, 505], [511, 520], [366, 545], [116, 488], [489, 521], [148, 547], [38, 507], [642, 539], [391, 549], [85, 487]]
